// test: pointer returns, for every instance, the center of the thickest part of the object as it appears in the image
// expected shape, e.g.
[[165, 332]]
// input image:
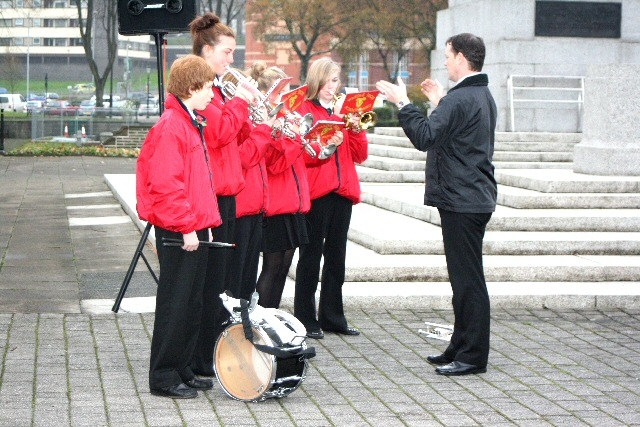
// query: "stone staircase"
[[128, 137], [551, 225]]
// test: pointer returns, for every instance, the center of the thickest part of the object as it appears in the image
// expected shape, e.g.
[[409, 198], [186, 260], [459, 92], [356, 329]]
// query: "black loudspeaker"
[[155, 16]]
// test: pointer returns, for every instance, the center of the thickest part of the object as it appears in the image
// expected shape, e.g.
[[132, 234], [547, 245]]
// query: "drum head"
[[244, 372]]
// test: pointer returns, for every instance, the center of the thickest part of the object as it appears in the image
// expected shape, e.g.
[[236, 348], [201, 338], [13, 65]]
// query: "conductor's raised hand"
[[433, 90]]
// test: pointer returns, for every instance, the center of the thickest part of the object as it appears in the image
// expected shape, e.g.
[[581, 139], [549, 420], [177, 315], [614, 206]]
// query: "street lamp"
[[28, 44], [148, 83]]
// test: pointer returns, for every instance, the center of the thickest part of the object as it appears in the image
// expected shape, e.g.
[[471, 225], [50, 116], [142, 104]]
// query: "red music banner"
[[359, 102], [323, 130]]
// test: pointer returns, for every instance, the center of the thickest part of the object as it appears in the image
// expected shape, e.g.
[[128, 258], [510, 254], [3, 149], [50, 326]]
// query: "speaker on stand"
[[156, 18]]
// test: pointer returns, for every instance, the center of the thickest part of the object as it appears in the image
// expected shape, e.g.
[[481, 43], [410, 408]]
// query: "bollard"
[[2, 130]]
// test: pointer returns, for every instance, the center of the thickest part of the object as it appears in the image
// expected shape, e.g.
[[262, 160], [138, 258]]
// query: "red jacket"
[[254, 197], [287, 173], [338, 172], [224, 122], [174, 183]]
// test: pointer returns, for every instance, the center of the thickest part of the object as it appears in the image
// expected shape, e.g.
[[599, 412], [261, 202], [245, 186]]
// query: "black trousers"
[[328, 221], [462, 234], [178, 310], [246, 256], [213, 312]]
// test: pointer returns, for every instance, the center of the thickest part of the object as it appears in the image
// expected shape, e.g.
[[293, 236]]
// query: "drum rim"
[[267, 387]]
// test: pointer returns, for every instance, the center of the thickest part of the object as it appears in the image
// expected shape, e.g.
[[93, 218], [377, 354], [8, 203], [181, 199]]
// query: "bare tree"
[[311, 27], [11, 70], [106, 16], [392, 30], [227, 10]]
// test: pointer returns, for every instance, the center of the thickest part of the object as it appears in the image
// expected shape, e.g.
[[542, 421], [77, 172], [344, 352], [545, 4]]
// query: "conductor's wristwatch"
[[401, 104]]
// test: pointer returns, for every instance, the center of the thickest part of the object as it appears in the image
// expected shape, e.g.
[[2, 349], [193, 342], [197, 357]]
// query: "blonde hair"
[[188, 73], [206, 30], [265, 77], [318, 75]]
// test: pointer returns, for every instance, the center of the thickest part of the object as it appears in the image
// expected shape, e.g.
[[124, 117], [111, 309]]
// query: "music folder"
[[359, 102]]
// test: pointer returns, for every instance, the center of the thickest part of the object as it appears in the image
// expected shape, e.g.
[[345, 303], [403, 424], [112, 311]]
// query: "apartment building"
[[39, 37]]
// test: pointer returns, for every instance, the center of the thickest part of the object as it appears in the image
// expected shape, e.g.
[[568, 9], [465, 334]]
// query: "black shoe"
[[348, 331], [438, 359], [460, 368], [200, 383], [179, 391], [315, 333]]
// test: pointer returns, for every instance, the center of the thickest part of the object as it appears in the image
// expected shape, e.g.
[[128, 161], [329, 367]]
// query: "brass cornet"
[[230, 81], [367, 119]]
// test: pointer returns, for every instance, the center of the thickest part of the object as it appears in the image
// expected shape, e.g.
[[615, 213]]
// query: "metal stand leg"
[[132, 267]]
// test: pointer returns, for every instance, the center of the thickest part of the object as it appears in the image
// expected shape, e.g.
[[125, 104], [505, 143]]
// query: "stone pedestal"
[[509, 31], [611, 137]]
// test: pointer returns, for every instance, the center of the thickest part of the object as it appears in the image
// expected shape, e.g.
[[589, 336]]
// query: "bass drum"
[[250, 375]]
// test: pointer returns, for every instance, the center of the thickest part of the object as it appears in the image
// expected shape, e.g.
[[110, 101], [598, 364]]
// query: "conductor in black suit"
[[458, 137]]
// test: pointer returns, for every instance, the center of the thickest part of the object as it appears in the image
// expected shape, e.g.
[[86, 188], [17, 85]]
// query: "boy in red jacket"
[[175, 193]]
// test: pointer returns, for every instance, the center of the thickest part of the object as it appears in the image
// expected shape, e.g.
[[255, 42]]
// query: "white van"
[[12, 102]]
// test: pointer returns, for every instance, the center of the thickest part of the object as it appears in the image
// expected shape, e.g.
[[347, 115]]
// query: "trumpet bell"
[[368, 120]]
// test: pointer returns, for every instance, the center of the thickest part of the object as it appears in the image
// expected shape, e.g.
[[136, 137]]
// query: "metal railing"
[[552, 93]]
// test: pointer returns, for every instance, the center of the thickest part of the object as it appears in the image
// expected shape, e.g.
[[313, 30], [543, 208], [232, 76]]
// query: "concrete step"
[[501, 145], [366, 265], [387, 232], [520, 198], [566, 181], [502, 136], [407, 199]]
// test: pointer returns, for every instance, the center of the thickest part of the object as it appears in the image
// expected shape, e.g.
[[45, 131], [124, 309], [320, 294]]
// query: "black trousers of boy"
[[213, 312], [178, 310]]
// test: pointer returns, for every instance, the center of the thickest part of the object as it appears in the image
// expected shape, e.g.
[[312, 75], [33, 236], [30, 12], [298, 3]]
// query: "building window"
[[36, 22], [59, 23], [19, 3], [6, 4], [18, 41], [36, 41], [5, 22], [19, 22], [36, 3], [55, 42], [363, 81], [75, 42], [5, 41]]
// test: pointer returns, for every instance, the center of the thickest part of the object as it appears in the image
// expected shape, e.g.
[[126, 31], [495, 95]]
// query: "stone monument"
[[611, 138], [555, 41]]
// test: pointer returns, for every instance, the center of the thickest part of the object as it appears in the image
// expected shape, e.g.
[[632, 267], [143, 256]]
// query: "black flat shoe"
[[200, 383], [348, 331], [316, 334], [438, 359], [179, 391], [460, 368]]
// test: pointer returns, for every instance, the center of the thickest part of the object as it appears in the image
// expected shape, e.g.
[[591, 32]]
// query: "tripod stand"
[[159, 39]]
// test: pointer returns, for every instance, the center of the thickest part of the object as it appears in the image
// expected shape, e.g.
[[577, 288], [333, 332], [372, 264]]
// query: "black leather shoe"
[[460, 368], [179, 391], [315, 333], [200, 383], [348, 331], [438, 359]]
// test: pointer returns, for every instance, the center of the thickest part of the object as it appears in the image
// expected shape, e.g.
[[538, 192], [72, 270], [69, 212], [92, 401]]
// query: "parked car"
[[87, 107], [12, 102], [32, 106], [60, 108], [151, 109], [84, 88]]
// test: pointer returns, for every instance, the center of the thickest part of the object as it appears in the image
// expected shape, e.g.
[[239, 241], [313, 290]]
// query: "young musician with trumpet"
[[226, 120], [253, 200], [175, 192], [285, 227], [334, 188]]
